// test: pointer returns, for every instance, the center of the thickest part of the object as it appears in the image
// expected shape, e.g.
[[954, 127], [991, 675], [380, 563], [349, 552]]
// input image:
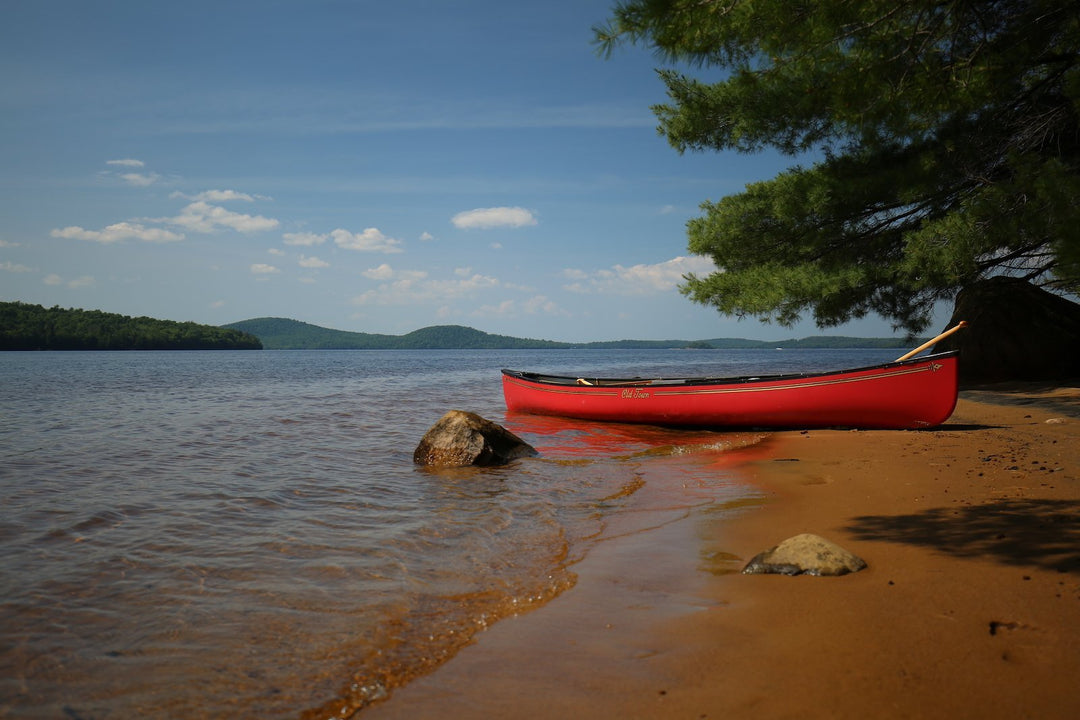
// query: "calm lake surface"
[[241, 534]]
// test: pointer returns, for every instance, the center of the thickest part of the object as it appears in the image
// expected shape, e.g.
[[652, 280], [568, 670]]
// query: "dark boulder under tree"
[[1016, 332]]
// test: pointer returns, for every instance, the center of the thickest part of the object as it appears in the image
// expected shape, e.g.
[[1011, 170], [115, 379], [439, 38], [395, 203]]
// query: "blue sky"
[[366, 166]]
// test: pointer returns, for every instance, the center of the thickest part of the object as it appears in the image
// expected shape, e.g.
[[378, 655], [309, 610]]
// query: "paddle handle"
[[960, 325]]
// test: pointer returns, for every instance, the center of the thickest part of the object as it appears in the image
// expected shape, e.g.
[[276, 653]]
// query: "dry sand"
[[970, 607]]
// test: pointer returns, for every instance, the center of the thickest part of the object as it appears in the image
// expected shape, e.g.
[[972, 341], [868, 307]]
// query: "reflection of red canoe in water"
[[904, 394]]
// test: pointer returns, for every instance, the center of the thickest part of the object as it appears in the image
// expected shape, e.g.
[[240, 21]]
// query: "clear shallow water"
[[208, 535]]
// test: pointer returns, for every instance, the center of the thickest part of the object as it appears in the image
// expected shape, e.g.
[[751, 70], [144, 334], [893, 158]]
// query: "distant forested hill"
[[33, 327], [285, 334]]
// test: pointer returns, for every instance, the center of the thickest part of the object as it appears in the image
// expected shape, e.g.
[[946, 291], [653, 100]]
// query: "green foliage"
[[948, 132], [33, 327]]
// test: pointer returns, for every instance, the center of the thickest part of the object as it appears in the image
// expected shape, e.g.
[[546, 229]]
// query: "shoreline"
[[970, 606]]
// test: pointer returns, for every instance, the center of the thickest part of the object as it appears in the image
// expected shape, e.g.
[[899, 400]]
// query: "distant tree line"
[[33, 327], [286, 334]]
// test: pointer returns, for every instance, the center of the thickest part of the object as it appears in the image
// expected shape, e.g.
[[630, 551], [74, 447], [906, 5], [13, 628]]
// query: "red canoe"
[[915, 393]]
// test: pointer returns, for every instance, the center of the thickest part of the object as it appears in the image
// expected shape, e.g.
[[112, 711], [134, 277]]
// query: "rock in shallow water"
[[805, 554], [462, 438]]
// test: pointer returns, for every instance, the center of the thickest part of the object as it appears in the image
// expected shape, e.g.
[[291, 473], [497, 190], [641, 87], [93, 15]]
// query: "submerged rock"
[[462, 438], [805, 554]]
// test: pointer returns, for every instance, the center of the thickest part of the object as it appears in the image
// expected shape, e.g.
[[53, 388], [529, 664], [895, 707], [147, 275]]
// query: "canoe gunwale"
[[661, 382]]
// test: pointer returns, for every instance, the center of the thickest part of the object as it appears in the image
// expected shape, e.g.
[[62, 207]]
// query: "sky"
[[365, 166]]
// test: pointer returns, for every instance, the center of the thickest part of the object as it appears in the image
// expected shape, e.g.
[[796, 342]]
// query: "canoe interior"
[[576, 380]]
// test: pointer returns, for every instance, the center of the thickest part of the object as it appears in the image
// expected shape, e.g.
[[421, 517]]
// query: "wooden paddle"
[[960, 325]]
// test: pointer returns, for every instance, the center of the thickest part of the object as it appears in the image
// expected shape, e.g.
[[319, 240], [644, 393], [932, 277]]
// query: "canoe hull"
[[915, 393]]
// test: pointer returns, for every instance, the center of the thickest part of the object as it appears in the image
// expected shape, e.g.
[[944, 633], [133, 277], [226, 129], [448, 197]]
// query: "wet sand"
[[970, 607]]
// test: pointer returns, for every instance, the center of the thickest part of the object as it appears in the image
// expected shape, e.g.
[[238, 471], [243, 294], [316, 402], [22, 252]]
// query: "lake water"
[[241, 534]]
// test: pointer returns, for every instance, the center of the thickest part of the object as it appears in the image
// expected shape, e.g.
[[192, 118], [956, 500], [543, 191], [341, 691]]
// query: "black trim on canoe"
[[630, 382]]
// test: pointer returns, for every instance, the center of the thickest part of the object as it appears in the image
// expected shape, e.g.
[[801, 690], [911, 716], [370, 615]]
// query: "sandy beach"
[[970, 606]]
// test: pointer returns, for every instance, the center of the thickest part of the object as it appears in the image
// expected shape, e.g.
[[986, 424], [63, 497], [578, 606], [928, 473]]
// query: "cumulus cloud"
[[542, 305], [415, 287], [312, 262], [200, 216], [496, 217], [426, 237], [263, 269], [370, 240], [638, 279], [306, 239], [463, 286], [215, 196], [505, 309], [140, 179], [126, 162], [14, 267], [536, 305], [79, 282], [118, 232], [383, 272]]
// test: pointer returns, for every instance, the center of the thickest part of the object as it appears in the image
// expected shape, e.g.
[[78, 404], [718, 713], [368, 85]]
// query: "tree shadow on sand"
[[1023, 532]]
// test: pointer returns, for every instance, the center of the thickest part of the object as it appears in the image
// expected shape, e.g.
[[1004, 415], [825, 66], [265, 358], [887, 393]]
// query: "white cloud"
[[383, 272], [5, 243], [140, 179], [203, 217], [215, 196], [496, 217], [536, 305], [263, 269], [306, 239], [426, 237], [126, 162], [118, 232], [370, 240], [79, 282], [542, 305], [638, 279], [277, 252], [465, 286], [13, 267], [414, 287], [507, 308], [312, 262]]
